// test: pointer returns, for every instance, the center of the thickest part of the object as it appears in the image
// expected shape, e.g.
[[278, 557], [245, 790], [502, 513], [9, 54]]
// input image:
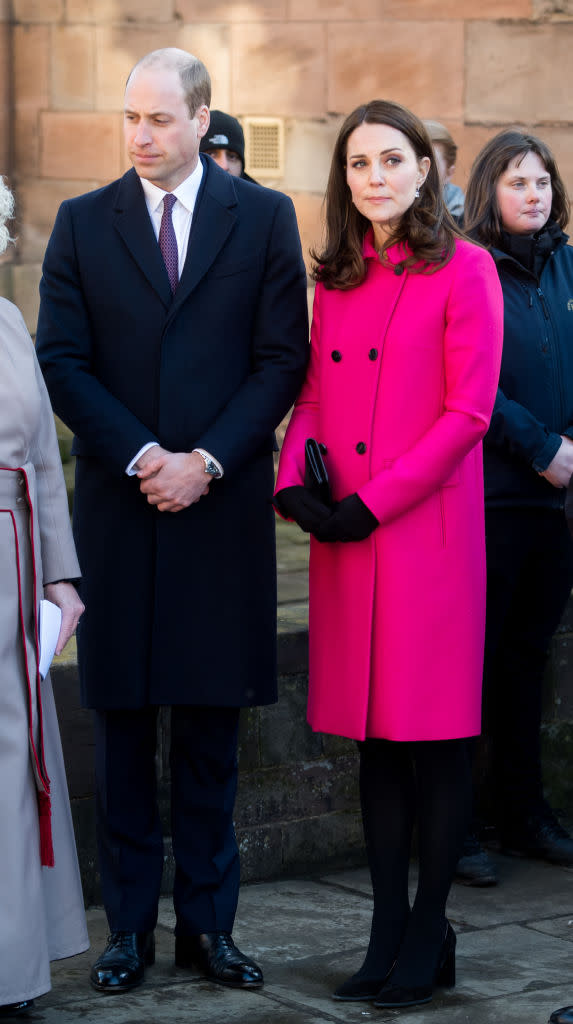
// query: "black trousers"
[[203, 765], [529, 579]]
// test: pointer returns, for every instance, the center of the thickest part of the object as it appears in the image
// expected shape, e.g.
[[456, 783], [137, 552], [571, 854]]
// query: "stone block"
[[38, 201], [552, 9], [340, 746], [249, 749], [76, 731], [228, 10], [37, 10], [334, 10], [296, 790], [279, 69], [292, 650], [127, 10], [260, 850], [557, 757], [560, 675], [285, 735], [6, 290], [309, 211], [5, 111], [85, 146], [73, 74], [331, 841], [31, 49], [118, 48], [455, 9], [25, 282], [309, 145], [419, 64], [507, 77], [83, 816]]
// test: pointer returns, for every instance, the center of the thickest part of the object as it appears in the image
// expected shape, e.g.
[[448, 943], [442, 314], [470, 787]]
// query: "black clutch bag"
[[315, 474]]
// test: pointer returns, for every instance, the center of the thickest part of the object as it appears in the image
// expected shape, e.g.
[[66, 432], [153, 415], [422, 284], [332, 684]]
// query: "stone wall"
[[63, 64]]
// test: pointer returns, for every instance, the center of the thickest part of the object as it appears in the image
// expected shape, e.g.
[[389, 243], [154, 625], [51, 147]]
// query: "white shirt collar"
[[186, 192]]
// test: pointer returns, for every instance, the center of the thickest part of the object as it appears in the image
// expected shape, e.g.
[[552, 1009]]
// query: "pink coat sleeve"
[[472, 354]]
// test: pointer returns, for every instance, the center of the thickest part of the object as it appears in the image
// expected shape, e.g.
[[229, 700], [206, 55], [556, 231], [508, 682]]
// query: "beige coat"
[[42, 909]]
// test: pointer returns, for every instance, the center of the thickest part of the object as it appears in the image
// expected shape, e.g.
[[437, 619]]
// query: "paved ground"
[[515, 958]]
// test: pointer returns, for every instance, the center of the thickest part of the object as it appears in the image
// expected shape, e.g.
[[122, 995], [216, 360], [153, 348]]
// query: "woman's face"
[[383, 172], [524, 195]]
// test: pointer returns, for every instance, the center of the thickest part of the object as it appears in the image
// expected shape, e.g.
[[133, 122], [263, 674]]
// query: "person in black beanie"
[[225, 144]]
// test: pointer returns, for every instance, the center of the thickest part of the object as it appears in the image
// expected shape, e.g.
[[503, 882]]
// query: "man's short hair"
[[195, 79]]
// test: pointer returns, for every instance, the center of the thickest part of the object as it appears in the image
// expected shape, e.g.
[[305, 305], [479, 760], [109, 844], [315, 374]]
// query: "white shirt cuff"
[[212, 457], [131, 470]]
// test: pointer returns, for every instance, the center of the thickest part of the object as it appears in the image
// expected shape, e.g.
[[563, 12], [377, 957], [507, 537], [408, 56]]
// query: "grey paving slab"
[[509, 959], [292, 920], [560, 927], [528, 890]]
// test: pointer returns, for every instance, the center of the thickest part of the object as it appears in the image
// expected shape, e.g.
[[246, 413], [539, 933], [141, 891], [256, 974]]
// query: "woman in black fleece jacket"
[[516, 206]]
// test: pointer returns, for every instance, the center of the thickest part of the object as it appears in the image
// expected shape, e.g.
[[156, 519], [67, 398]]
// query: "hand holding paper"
[[65, 596]]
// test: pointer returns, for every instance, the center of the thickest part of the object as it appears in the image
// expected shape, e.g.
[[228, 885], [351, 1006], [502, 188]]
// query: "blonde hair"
[[6, 213], [440, 136]]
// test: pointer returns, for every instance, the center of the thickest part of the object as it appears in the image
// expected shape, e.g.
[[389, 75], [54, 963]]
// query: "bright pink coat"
[[400, 388]]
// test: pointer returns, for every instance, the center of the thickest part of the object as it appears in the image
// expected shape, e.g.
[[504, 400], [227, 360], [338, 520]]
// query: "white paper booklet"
[[49, 628]]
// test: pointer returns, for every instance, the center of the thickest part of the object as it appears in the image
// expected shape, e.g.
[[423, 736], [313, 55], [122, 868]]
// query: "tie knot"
[[168, 201]]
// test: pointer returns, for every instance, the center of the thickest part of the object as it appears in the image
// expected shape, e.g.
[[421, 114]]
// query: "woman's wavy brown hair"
[[426, 228], [482, 213]]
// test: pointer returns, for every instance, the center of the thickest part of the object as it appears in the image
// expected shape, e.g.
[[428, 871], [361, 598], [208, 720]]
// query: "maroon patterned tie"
[[168, 241]]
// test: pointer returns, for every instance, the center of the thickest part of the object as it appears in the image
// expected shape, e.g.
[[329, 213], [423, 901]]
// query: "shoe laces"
[[119, 940]]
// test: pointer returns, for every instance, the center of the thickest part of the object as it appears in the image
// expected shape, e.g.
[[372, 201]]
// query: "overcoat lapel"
[[133, 223]]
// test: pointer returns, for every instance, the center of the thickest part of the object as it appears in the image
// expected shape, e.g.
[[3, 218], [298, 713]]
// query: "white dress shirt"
[[181, 215]]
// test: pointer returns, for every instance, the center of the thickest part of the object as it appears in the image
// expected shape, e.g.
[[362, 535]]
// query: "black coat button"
[[373, 354], [361, 448], [336, 355], [399, 269]]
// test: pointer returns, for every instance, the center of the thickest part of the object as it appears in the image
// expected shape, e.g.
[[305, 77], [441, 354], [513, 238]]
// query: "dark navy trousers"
[[203, 766]]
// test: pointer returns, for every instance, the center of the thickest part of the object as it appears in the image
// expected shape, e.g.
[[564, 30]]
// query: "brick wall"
[[63, 63]]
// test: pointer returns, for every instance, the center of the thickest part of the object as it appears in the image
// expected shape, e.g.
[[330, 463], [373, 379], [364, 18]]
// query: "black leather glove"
[[299, 504], [351, 519]]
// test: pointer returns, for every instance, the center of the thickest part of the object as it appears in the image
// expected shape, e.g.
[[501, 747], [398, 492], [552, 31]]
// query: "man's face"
[[227, 160], [161, 137]]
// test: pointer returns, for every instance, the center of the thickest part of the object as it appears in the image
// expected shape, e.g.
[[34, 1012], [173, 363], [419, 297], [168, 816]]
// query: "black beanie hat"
[[224, 132]]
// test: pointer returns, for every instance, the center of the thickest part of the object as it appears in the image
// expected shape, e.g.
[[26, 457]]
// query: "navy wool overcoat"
[[180, 607]]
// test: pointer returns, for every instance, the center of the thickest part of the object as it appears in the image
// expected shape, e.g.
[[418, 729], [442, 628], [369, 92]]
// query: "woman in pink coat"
[[406, 345]]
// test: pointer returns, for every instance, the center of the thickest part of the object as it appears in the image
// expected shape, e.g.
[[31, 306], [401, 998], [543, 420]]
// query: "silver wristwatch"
[[210, 466]]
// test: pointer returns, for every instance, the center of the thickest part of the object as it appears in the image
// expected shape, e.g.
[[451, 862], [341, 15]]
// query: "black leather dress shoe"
[[123, 961], [15, 1009], [562, 1016], [216, 955], [475, 866], [542, 836]]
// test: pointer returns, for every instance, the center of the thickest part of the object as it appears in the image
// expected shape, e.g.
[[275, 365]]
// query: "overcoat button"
[[399, 269], [336, 355], [361, 448], [373, 354]]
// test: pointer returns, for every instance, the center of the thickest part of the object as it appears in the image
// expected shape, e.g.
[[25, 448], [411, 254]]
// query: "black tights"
[[399, 782]]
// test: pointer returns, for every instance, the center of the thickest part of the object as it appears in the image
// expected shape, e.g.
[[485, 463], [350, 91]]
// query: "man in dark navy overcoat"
[[173, 338]]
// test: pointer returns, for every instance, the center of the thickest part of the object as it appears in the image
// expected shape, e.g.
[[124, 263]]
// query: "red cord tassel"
[[45, 818]]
